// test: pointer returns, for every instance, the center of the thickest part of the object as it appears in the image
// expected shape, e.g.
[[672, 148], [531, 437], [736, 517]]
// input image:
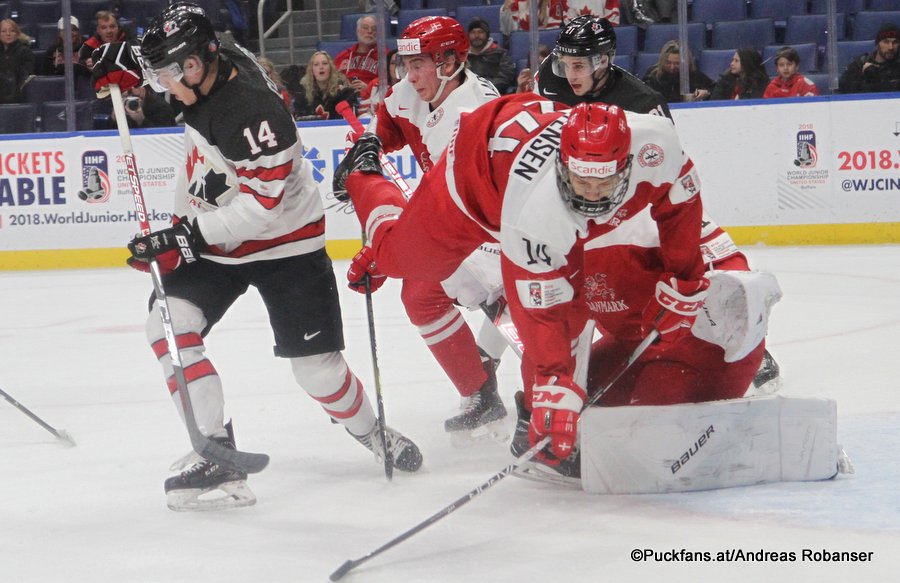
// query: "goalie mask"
[[594, 163], [179, 38], [436, 37]]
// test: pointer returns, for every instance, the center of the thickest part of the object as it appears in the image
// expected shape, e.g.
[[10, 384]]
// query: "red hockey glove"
[[363, 267], [555, 409], [675, 308], [172, 247], [114, 64]]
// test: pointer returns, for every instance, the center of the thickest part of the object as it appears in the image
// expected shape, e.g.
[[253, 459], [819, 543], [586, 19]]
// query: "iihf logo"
[[807, 156], [94, 177]]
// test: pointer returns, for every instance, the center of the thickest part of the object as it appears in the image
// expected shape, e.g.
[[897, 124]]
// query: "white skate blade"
[[541, 473], [493, 432], [234, 494]]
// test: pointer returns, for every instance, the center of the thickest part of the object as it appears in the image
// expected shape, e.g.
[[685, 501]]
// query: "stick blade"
[[64, 436], [241, 461], [342, 570]]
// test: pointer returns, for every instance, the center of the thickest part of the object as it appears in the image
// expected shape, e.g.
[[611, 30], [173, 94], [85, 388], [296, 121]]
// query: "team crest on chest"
[[651, 156], [435, 117], [600, 296]]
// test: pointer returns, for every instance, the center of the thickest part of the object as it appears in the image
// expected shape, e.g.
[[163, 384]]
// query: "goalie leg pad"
[[704, 446]]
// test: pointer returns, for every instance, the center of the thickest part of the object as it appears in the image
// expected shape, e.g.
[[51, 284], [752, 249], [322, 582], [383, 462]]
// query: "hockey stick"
[[347, 113], [203, 445], [59, 433], [521, 460]]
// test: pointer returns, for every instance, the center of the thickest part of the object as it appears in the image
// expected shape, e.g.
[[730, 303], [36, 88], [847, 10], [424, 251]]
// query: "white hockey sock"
[[328, 380]]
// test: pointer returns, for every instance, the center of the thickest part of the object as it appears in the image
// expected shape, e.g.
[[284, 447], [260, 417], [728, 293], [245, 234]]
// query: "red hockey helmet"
[[434, 36], [595, 143]]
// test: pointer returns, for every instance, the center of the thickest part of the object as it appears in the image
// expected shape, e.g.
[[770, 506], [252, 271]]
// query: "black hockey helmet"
[[181, 29], [586, 36]]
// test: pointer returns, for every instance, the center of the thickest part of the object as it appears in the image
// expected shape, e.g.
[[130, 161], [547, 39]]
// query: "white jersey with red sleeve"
[[245, 180], [608, 9], [403, 118]]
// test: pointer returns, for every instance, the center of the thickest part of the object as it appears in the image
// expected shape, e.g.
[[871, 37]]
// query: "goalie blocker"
[[705, 446]]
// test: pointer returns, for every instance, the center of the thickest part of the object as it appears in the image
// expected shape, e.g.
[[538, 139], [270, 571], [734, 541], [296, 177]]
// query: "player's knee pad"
[[425, 301], [320, 374]]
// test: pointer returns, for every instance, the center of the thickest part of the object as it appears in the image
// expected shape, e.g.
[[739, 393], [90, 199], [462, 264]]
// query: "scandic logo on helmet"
[[408, 46], [592, 169]]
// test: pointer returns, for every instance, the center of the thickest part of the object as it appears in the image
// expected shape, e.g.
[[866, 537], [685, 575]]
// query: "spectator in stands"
[[608, 9], [145, 109], [488, 60], [665, 75], [269, 67], [359, 63], [525, 79], [878, 71], [52, 62], [374, 95], [321, 89], [369, 6], [646, 12], [789, 82], [745, 78], [514, 15], [16, 60], [107, 31]]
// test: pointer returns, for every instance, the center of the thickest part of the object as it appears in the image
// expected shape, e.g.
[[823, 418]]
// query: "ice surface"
[[73, 351]]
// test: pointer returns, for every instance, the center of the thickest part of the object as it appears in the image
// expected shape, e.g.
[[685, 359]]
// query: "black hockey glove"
[[115, 64], [172, 247], [362, 157]]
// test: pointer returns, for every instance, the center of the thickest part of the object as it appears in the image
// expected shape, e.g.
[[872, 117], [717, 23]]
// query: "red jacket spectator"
[[794, 86]]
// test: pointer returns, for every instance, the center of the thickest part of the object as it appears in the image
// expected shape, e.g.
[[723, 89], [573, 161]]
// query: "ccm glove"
[[363, 268], [675, 308], [556, 405], [172, 247], [114, 64], [362, 157]]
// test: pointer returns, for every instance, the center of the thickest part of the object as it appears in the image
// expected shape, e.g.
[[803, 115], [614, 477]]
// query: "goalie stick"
[[347, 113], [203, 445], [59, 433], [526, 457]]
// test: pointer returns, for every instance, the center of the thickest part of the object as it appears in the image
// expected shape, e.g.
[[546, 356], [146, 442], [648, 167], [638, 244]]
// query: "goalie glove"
[[675, 307], [362, 268], [556, 405], [115, 64], [172, 247]]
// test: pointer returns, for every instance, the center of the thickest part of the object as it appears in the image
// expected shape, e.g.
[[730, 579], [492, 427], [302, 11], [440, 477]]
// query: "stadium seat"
[[643, 62], [39, 11], [406, 17], [847, 50], [626, 61], [714, 62], [735, 34], [821, 81], [17, 118], [448, 5], [777, 9], [867, 23], [659, 34], [520, 42], [42, 88], [810, 28], [85, 10], [808, 52], [713, 10], [348, 25], [46, 35], [491, 14], [53, 116], [333, 47], [626, 40], [141, 12], [883, 5], [850, 7], [4, 10]]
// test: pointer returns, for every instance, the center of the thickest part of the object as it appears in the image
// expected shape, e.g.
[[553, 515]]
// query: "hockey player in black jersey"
[[580, 69], [250, 214]]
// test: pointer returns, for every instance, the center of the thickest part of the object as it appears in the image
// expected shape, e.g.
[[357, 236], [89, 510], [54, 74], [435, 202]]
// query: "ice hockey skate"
[[567, 473], [406, 455], [203, 485], [481, 414]]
